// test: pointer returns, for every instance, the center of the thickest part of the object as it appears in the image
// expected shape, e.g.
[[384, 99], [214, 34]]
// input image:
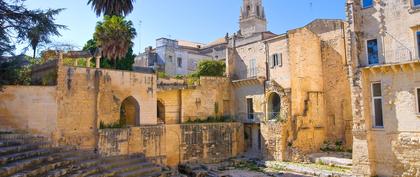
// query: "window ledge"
[[378, 129], [414, 9]]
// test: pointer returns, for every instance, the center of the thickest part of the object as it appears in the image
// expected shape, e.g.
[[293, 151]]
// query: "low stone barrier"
[[175, 144]]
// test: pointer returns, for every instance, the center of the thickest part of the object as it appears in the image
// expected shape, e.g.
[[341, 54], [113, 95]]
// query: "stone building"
[[290, 90], [179, 57], [383, 50]]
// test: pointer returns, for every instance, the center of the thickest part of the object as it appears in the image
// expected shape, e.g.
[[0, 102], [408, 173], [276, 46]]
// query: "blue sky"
[[194, 20]]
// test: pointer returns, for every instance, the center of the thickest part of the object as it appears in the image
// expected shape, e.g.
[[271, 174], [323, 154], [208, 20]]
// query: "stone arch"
[[130, 112], [161, 110], [273, 106], [273, 90]]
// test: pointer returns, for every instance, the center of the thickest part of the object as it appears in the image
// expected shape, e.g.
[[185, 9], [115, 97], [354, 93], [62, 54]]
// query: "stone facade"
[[296, 66], [178, 57], [390, 147]]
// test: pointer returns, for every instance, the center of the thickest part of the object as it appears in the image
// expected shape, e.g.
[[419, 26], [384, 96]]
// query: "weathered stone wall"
[[177, 143], [308, 98], [280, 73], [336, 84], [393, 24], [211, 97], [395, 147], [29, 108], [86, 97]]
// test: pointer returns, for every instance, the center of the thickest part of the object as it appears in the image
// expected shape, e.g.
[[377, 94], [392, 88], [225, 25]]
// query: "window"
[[252, 72], [367, 3], [250, 108], [170, 59], [416, 3], [372, 51], [378, 120], [418, 100], [179, 61], [418, 43], [276, 60]]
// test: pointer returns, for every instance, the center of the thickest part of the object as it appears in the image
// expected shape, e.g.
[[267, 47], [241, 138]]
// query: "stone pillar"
[[98, 62], [362, 162]]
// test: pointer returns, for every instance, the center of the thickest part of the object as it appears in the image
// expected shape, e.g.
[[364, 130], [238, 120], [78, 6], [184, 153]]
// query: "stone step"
[[17, 136], [21, 148], [9, 143], [150, 172], [25, 155], [14, 142], [57, 160], [77, 163], [16, 166], [85, 168], [125, 168], [123, 162]]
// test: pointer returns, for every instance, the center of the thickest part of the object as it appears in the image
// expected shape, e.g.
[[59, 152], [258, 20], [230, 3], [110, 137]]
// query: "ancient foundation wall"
[[177, 143], [29, 108]]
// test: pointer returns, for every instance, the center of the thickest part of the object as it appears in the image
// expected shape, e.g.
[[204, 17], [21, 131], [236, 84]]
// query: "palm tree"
[[114, 37], [112, 7]]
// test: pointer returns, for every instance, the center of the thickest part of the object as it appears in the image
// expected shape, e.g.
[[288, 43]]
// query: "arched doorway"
[[161, 111], [274, 106], [130, 112]]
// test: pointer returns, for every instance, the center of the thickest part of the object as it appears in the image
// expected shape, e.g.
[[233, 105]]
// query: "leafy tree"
[[16, 70], [210, 68], [16, 22], [41, 32], [125, 63], [112, 7], [114, 37]]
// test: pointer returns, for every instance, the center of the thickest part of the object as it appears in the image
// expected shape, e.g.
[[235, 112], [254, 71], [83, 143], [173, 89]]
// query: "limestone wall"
[[395, 147], [308, 96], [29, 108], [177, 143], [86, 97], [211, 97], [280, 73]]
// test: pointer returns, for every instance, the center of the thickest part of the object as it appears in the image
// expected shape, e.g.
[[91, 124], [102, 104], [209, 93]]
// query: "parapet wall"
[[177, 143]]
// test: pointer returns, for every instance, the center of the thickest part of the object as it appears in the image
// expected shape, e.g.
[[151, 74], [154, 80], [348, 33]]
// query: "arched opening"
[[161, 111], [274, 106], [130, 112]]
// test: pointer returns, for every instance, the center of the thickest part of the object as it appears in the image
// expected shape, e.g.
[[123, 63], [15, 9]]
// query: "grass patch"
[[282, 166], [245, 165], [211, 119]]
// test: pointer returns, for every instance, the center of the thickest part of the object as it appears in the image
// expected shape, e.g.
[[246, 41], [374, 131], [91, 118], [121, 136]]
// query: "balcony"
[[249, 73], [392, 57], [261, 117], [250, 118]]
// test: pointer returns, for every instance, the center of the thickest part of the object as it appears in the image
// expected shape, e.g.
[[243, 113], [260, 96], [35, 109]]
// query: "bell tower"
[[252, 19]]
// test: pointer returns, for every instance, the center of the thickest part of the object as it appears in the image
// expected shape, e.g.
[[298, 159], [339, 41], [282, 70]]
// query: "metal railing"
[[261, 117], [250, 118], [249, 73]]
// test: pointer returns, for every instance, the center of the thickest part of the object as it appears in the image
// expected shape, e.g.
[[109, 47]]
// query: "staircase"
[[23, 155]]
